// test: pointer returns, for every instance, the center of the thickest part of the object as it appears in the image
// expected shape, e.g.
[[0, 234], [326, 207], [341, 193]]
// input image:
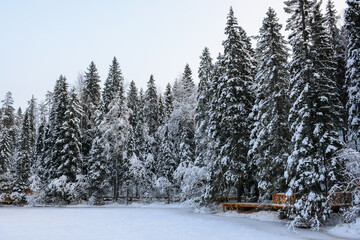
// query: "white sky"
[[42, 39]]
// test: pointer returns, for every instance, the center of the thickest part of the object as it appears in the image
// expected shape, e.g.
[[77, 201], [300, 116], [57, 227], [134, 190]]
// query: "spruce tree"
[[99, 169], [54, 141], [133, 102], [113, 84], [168, 99], [90, 103], [233, 99], [161, 110], [182, 126], [202, 108], [270, 135], [311, 169], [352, 26], [114, 129], [338, 45], [167, 162], [23, 162], [215, 184], [26, 154], [18, 119], [7, 139], [39, 164], [71, 138], [151, 108]]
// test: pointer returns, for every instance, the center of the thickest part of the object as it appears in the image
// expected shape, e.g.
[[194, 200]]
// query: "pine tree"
[[233, 99], [352, 26], [90, 103], [270, 135], [113, 84]]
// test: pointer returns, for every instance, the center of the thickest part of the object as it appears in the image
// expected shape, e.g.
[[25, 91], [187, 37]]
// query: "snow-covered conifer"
[[232, 103], [151, 109], [270, 134], [352, 26], [202, 109], [133, 102], [311, 169], [338, 45], [90, 103], [168, 98], [113, 84]]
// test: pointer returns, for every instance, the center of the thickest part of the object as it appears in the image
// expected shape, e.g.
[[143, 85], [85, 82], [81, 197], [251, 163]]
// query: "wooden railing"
[[279, 201], [280, 198]]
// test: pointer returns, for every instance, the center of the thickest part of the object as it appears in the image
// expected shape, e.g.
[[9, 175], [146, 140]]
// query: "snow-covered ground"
[[154, 221]]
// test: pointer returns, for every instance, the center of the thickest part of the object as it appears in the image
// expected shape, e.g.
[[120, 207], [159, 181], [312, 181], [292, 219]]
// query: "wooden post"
[[239, 193]]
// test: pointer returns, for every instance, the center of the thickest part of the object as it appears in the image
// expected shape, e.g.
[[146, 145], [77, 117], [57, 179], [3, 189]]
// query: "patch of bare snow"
[[350, 230]]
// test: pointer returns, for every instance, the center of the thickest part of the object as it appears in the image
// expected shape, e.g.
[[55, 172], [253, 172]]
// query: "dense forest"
[[281, 117]]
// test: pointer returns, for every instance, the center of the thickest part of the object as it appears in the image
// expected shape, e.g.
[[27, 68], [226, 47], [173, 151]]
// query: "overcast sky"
[[41, 39]]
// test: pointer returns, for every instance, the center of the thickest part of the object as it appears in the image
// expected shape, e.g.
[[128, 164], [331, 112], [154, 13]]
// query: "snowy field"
[[155, 221]]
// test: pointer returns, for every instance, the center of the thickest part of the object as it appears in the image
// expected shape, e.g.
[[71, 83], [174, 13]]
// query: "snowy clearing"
[[155, 221]]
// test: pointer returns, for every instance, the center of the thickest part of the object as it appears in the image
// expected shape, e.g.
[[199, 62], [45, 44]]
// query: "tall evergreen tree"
[[182, 126], [338, 45], [71, 138], [311, 169], [202, 107], [7, 140], [99, 175], [7, 136], [54, 141], [230, 122], [39, 164], [161, 110], [113, 84], [270, 135], [90, 103], [352, 26], [23, 162], [167, 162], [114, 129], [18, 120], [133, 102], [151, 108], [26, 153], [168, 99]]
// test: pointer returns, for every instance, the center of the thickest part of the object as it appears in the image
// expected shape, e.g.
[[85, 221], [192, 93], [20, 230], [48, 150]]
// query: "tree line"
[[261, 120]]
